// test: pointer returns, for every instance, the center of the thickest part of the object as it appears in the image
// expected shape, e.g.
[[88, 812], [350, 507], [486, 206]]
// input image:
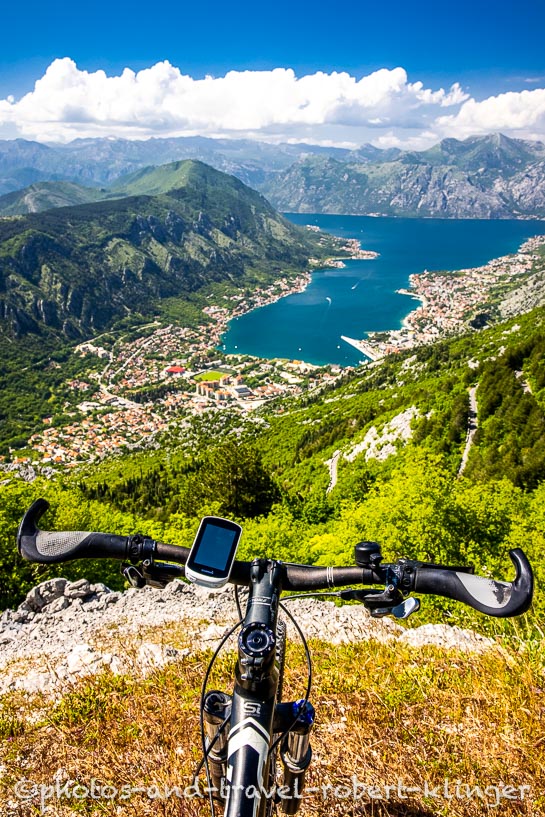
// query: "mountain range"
[[99, 162], [480, 177], [171, 231]]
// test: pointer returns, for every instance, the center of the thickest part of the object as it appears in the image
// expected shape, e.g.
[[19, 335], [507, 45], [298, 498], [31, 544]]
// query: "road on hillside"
[[471, 428], [332, 465]]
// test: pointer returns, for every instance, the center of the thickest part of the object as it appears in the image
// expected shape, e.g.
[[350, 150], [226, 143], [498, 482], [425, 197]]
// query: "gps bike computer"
[[213, 552]]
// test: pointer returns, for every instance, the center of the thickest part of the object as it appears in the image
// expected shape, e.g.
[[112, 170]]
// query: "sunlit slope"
[[45, 195], [77, 269]]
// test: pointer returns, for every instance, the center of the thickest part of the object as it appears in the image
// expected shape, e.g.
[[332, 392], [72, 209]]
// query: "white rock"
[[212, 633], [81, 658], [78, 590], [155, 655], [59, 604], [441, 635], [35, 681], [63, 637]]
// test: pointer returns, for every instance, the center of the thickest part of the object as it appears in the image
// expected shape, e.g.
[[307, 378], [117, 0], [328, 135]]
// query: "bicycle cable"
[[301, 705], [223, 641], [237, 600], [209, 748], [336, 593], [304, 700]]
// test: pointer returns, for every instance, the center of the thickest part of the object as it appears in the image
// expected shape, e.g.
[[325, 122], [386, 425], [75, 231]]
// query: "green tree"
[[232, 476]]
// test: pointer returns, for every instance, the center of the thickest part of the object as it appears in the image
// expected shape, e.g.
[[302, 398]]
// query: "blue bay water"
[[362, 297]]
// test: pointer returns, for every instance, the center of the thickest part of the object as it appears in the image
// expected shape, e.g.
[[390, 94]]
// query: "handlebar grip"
[[494, 598], [47, 547]]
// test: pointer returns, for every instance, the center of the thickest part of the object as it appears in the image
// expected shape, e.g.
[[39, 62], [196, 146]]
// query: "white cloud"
[[335, 108], [520, 114]]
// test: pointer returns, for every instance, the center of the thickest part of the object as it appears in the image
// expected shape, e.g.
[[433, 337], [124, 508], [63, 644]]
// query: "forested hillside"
[[75, 270], [377, 456]]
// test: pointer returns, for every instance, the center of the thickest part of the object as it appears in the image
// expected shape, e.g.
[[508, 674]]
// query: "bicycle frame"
[[244, 753], [254, 698], [254, 714]]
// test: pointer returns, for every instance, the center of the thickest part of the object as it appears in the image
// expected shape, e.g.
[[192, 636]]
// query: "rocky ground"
[[524, 298], [65, 630]]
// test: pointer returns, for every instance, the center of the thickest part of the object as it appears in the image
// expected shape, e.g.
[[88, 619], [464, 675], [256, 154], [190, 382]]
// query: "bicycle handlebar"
[[489, 596], [48, 547]]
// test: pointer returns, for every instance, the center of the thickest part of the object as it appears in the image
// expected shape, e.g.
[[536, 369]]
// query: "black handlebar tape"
[[295, 577], [172, 553], [494, 598], [48, 547], [299, 577]]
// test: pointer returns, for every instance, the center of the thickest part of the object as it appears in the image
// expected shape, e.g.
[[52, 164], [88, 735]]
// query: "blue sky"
[[489, 49]]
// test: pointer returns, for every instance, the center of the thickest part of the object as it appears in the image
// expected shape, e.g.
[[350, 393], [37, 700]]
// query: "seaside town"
[[449, 300], [137, 388]]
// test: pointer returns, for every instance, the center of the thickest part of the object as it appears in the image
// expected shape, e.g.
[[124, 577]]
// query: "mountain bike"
[[242, 733]]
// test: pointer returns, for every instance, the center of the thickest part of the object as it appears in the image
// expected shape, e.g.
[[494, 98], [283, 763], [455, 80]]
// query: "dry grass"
[[384, 714]]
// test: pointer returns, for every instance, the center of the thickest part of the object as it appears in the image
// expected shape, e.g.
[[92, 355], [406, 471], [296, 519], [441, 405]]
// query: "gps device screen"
[[213, 552], [215, 547]]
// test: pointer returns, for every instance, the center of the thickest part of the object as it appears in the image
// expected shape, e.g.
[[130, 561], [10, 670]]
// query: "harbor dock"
[[364, 347]]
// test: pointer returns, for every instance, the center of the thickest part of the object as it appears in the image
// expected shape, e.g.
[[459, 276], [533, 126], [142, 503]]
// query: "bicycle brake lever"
[[159, 574], [406, 608], [400, 611], [383, 602], [452, 568], [133, 576], [152, 573]]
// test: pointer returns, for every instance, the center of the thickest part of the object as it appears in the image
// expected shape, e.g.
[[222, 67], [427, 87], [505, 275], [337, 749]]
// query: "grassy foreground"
[[464, 732]]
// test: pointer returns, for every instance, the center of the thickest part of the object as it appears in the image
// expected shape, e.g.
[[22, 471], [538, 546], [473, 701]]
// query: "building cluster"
[[110, 419], [258, 298], [137, 364], [353, 247], [79, 385], [449, 299], [98, 435], [224, 389]]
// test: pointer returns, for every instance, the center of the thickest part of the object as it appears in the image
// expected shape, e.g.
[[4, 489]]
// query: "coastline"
[[282, 288], [449, 299], [446, 300], [352, 247], [223, 315], [447, 303], [406, 322]]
